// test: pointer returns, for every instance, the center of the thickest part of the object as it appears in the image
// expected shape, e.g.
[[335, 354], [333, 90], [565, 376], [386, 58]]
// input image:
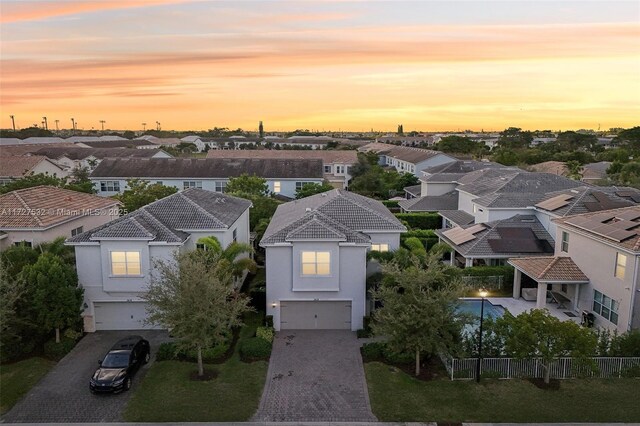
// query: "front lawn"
[[396, 396], [168, 395], [17, 378]]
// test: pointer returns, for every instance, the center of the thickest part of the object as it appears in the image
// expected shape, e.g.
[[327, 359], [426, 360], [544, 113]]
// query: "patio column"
[[517, 283], [452, 257], [468, 262], [541, 300]]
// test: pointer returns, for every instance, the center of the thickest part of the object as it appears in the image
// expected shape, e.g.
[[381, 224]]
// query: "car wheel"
[[127, 384], [147, 357]]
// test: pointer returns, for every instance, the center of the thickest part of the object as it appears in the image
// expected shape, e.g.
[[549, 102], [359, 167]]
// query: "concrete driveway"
[[315, 375], [63, 395]]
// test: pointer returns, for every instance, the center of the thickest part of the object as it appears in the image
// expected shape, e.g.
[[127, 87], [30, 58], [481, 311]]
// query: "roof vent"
[[324, 194], [308, 209]]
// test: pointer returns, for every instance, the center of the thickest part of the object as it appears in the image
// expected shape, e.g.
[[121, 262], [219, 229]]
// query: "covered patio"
[[555, 279]]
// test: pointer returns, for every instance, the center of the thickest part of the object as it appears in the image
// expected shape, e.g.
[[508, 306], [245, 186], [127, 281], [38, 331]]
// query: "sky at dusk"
[[320, 64]]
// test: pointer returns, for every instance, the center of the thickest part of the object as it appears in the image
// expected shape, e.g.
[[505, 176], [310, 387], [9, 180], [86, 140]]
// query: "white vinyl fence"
[[561, 368]]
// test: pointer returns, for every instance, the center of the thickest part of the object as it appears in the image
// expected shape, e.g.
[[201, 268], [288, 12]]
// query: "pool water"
[[473, 306]]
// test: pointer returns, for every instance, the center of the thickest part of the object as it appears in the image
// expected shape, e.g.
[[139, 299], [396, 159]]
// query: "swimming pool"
[[472, 307]]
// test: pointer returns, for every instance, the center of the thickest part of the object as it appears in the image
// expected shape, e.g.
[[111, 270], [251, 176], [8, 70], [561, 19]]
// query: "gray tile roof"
[[404, 153], [449, 172], [77, 153], [458, 217], [208, 168], [431, 203], [520, 235], [335, 212], [484, 182], [591, 199], [168, 219], [414, 190], [120, 143]]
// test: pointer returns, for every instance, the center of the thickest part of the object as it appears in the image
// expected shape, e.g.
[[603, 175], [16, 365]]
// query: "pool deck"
[[518, 306]]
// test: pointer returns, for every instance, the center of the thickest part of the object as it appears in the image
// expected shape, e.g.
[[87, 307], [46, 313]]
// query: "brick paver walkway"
[[63, 395], [315, 375]]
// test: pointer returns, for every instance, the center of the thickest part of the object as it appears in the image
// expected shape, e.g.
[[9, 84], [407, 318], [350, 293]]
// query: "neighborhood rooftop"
[[17, 166], [346, 156], [208, 168], [550, 269], [78, 153], [45, 206], [168, 219], [404, 153]]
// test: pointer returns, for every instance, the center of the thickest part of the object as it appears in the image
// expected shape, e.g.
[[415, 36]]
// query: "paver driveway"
[[63, 395], [315, 375]]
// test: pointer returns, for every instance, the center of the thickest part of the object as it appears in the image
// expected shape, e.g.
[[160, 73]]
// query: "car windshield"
[[116, 360]]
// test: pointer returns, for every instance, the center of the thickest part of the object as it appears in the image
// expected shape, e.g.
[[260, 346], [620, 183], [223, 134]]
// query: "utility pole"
[[46, 125], [13, 122], [144, 127], [73, 123], [57, 125], [102, 123]]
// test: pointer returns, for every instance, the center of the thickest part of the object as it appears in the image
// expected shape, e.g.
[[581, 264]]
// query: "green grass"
[[396, 396], [16, 379], [168, 395]]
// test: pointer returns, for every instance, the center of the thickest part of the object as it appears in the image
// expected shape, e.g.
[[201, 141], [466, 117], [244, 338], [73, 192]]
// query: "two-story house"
[[596, 268], [284, 176], [115, 261], [76, 157], [407, 159], [19, 166], [316, 258], [40, 214]]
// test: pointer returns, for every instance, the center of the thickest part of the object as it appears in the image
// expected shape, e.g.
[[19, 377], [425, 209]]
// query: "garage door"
[[120, 315], [321, 315]]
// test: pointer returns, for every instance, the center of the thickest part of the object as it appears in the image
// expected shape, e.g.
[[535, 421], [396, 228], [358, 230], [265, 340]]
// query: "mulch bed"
[[209, 374], [554, 384]]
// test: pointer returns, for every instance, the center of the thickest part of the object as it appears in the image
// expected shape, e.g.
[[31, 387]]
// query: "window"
[[300, 185], [276, 187], [339, 169], [621, 265], [235, 235], [201, 246], [110, 186], [564, 246], [158, 182], [327, 169], [76, 231], [192, 184], [125, 263], [23, 243], [563, 288], [379, 247], [316, 263], [221, 186], [605, 306]]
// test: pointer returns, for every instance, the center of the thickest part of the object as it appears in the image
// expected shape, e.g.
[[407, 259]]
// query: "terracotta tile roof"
[[19, 165], [46, 206], [550, 269], [346, 156]]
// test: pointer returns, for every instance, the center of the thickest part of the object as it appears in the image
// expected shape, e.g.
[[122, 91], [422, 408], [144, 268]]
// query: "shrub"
[[393, 357], [627, 344], [268, 321], [167, 351], [366, 328], [383, 256], [254, 349], [390, 204], [372, 351], [170, 351], [57, 351], [631, 372], [421, 220], [265, 333], [506, 272]]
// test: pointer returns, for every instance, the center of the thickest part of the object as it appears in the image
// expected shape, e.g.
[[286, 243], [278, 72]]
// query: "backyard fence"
[[561, 368], [493, 282]]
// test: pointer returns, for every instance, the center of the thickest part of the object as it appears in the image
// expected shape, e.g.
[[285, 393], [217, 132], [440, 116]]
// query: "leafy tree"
[[248, 185], [404, 180], [29, 181], [28, 132], [458, 144], [575, 169], [140, 192], [538, 334], [310, 189], [505, 156], [400, 129], [365, 161], [630, 137], [229, 257], [418, 306], [515, 137], [53, 292], [196, 300], [570, 141], [11, 289]]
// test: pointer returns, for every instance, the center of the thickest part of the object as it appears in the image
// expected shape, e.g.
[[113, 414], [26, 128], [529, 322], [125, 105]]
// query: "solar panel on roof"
[[520, 245], [629, 215], [476, 228], [556, 202]]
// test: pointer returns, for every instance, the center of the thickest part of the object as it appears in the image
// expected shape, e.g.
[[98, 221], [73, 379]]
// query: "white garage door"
[[120, 315], [321, 315]]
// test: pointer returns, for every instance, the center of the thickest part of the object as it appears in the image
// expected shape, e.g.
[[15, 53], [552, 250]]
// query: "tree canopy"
[[309, 189], [80, 183], [247, 185], [459, 144], [140, 192]]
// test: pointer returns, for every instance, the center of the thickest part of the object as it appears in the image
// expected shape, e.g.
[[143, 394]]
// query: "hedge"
[[490, 271], [378, 350], [390, 204], [169, 351], [56, 351], [254, 348], [421, 220]]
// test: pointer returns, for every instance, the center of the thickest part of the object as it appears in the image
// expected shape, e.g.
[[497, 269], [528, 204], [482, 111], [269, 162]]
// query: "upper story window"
[[76, 231], [339, 169], [564, 245], [125, 263], [221, 186], [605, 306], [379, 247], [316, 263], [300, 185], [158, 182], [110, 186], [192, 184], [235, 235], [327, 169], [621, 265], [276, 187], [23, 243]]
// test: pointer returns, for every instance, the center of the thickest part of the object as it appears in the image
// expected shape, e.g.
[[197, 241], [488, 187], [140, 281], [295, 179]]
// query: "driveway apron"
[[315, 375]]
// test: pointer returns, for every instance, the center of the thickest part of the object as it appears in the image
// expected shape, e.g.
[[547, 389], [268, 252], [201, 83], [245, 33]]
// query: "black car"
[[120, 364]]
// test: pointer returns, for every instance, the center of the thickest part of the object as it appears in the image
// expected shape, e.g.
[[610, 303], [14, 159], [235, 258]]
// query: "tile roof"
[[431, 203], [595, 170], [587, 199], [337, 212], [46, 206], [126, 143], [169, 219], [328, 156], [520, 235], [414, 190], [553, 167], [619, 227], [23, 149], [78, 153], [450, 172], [484, 182], [19, 165], [458, 217], [208, 168], [550, 269], [404, 153]]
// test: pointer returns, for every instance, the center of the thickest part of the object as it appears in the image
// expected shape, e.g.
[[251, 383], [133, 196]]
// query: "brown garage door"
[[320, 315]]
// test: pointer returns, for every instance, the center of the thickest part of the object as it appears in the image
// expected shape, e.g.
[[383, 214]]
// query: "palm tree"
[[228, 258]]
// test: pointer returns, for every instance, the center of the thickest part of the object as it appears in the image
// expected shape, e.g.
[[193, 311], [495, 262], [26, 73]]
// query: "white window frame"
[[277, 187], [77, 231], [328, 169], [339, 169], [381, 247], [126, 264], [109, 186], [220, 185], [186, 184], [234, 234], [300, 185], [23, 243], [621, 266], [564, 242], [605, 307], [314, 263]]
